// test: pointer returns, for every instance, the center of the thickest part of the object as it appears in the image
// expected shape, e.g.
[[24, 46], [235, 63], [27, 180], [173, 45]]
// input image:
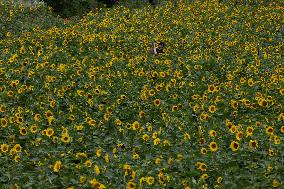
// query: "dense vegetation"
[[84, 103], [69, 8]]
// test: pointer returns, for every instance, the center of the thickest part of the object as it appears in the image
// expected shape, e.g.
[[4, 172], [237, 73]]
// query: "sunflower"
[[17, 158], [118, 101], [253, 143], [186, 136], [281, 91], [97, 169], [141, 114], [57, 166], [135, 156], [281, 117], [234, 104], [166, 143], [211, 88], [218, 99], [269, 130], [131, 185], [97, 91], [99, 152], [168, 87], [109, 110], [212, 109], [271, 152], [79, 127], [82, 179], [219, 180], [203, 151], [141, 73], [145, 137], [234, 146], [174, 96], [195, 107], [118, 122], [204, 116], [212, 133], [43, 132], [157, 102], [282, 129], [52, 103], [152, 92], [135, 125], [201, 166], [88, 163], [23, 131], [122, 97], [48, 114], [204, 176], [4, 122], [101, 107], [195, 97], [242, 80], [250, 82], [10, 93], [18, 148], [106, 116], [275, 183], [33, 129], [4, 148], [204, 98], [37, 117], [49, 132], [239, 135], [202, 141], [65, 138], [106, 158], [3, 108], [19, 120], [142, 180], [150, 180], [128, 126], [191, 84], [257, 123], [162, 74], [247, 103], [157, 141], [213, 146], [262, 102], [233, 129], [277, 140], [174, 108], [50, 119], [91, 122], [158, 88], [250, 130], [127, 168], [94, 184]]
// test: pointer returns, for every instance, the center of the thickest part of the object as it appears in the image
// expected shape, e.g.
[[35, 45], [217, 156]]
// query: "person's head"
[[162, 44]]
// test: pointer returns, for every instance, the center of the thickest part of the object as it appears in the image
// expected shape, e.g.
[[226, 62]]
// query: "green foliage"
[[68, 8], [84, 103], [15, 18]]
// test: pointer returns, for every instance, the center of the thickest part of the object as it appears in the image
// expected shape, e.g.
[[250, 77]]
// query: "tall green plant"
[[68, 8]]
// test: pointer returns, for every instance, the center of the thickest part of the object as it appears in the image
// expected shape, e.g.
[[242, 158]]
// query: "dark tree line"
[[68, 8], [153, 2]]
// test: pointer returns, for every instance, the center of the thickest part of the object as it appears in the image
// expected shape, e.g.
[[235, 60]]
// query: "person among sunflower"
[[158, 48]]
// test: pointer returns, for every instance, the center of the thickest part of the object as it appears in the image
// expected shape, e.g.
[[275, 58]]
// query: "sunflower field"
[[84, 103]]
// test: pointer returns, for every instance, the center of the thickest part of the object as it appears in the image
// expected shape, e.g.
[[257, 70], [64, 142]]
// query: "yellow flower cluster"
[[85, 104]]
